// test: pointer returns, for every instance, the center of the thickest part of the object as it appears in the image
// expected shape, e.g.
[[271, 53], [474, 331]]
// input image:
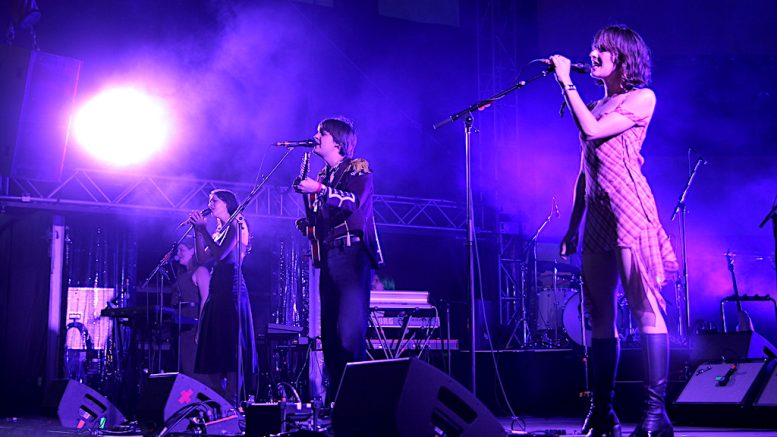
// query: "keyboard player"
[[189, 294]]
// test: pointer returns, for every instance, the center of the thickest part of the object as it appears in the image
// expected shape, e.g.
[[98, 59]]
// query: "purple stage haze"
[[241, 75]]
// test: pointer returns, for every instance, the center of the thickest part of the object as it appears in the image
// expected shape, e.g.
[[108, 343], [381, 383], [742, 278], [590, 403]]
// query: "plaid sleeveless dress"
[[620, 207]]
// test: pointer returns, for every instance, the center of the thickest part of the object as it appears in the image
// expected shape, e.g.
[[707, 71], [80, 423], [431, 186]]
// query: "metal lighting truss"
[[109, 191], [498, 34]]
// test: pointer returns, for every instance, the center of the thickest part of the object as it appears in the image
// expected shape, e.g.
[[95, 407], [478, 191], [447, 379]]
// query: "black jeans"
[[346, 276]]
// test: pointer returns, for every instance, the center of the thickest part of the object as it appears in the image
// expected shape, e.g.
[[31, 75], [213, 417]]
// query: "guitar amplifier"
[[722, 384], [768, 396]]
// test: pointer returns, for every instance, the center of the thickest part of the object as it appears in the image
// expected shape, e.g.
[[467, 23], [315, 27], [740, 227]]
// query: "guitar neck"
[[730, 260]]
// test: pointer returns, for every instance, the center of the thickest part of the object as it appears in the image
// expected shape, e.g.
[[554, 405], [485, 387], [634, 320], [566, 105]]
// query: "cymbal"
[[559, 267], [560, 274]]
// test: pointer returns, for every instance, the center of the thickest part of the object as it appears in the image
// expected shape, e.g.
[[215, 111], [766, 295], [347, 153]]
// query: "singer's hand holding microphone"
[[562, 66], [197, 218]]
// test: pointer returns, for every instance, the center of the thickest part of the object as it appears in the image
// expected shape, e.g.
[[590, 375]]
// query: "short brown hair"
[[630, 51], [342, 132]]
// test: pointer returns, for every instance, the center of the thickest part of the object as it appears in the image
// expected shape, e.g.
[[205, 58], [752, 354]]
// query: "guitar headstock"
[[730, 260], [304, 167]]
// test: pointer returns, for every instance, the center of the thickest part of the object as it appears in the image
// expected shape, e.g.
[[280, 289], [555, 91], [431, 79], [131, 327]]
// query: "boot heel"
[[666, 432]]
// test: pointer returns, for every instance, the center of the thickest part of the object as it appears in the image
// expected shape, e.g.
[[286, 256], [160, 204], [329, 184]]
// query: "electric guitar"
[[310, 214], [744, 323]]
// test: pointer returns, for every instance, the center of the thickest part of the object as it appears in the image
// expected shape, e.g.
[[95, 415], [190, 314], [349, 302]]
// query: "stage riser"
[[547, 383]]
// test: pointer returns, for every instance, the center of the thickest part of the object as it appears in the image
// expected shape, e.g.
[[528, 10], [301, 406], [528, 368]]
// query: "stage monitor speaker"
[[407, 397], [38, 90], [79, 406], [730, 346], [167, 397], [722, 384], [768, 396]]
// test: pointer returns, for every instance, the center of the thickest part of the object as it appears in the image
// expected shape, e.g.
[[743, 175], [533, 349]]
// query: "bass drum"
[[573, 326], [572, 320]]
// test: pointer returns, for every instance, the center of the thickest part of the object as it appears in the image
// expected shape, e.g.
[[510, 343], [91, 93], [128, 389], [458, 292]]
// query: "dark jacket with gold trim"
[[347, 205]]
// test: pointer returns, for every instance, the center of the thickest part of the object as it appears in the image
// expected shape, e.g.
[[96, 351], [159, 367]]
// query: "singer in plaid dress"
[[623, 237]]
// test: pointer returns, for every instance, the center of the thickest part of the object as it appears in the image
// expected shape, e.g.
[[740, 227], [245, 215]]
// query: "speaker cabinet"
[[38, 90], [407, 397], [768, 396], [721, 384], [729, 346], [79, 406], [168, 397]]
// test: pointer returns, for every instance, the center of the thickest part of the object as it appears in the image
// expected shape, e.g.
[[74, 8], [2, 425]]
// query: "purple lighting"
[[123, 126]]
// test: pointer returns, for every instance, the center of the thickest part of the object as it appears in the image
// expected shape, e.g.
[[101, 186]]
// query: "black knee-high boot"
[[601, 419], [655, 421]]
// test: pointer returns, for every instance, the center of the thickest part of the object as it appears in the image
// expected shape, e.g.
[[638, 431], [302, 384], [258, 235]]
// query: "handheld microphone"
[[301, 143], [577, 67], [205, 212]]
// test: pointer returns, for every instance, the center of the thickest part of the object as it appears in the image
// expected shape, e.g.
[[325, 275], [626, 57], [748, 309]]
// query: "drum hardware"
[[575, 324], [550, 307], [530, 256], [540, 314], [557, 282], [520, 318], [627, 329]]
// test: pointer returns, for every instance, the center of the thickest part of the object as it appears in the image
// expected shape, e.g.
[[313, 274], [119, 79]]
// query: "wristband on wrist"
[[320, 187], [568, 87]]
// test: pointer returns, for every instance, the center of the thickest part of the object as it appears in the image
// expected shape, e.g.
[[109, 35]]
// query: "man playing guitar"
[[349, 249]]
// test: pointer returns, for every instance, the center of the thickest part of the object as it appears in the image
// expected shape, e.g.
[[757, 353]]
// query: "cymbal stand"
[[556, 337], [523, 322], [532, 246]]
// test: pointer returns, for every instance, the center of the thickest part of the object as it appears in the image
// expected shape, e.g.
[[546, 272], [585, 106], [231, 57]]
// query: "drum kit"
[[554, 316]]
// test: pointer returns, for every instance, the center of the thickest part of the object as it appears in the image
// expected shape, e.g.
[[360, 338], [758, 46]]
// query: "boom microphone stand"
[[680, 209], [239, 383], [467, 114]]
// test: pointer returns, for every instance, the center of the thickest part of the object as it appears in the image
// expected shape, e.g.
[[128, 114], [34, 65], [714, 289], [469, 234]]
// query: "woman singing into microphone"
[[226, 315], [623, 237]]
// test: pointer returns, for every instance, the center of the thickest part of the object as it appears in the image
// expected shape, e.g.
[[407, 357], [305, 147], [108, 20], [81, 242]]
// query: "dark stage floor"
[[571, 426], [38, 426]]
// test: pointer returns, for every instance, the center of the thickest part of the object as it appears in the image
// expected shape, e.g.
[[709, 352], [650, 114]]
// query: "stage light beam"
[[122, 126]]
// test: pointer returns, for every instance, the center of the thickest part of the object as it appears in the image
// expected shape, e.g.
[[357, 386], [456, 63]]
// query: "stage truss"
[[110, 191]]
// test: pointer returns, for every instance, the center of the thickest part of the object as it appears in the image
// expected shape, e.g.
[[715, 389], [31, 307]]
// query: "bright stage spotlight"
[[122, 126]]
